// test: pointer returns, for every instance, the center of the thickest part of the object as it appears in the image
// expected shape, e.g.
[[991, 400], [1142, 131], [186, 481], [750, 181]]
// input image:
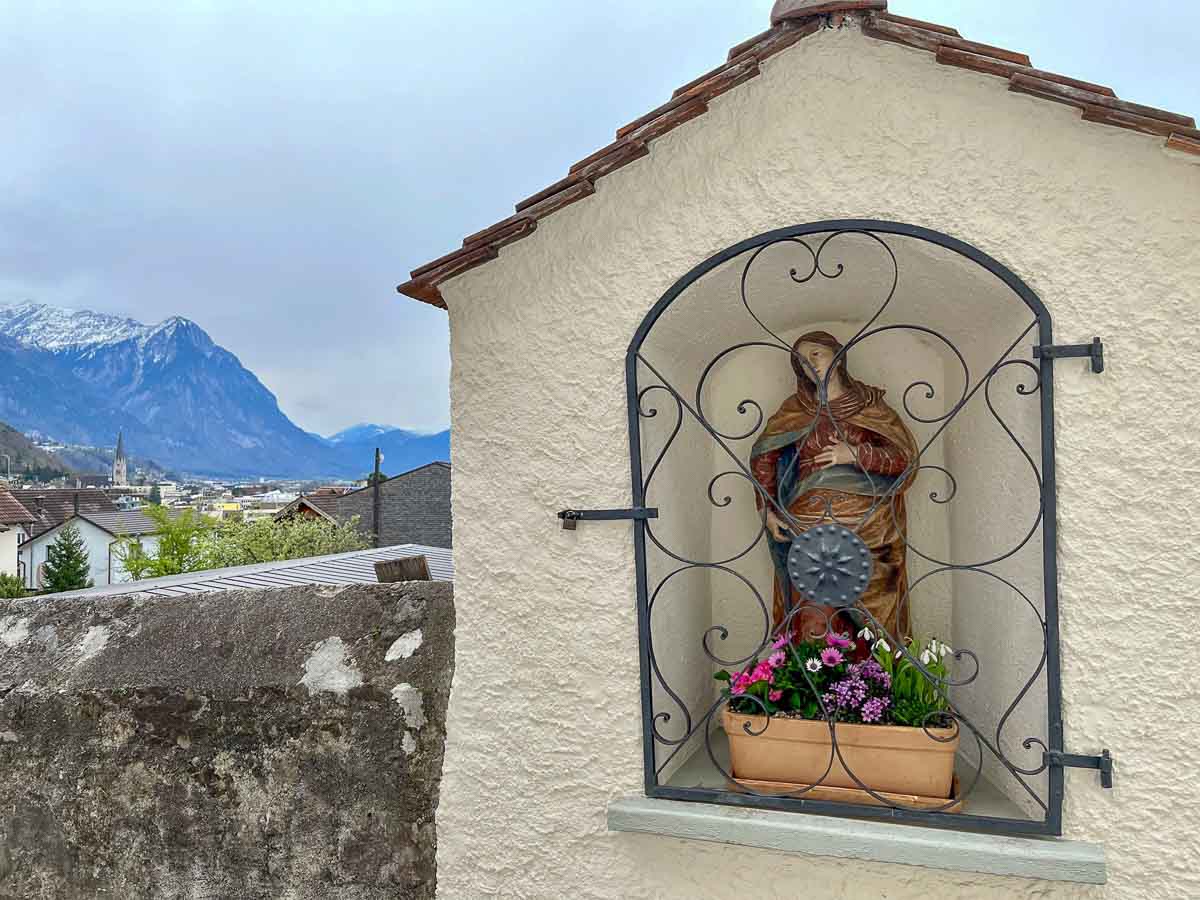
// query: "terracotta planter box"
[[895, 759]]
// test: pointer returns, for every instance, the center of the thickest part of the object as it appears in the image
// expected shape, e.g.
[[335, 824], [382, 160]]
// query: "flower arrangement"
[[818, 679]]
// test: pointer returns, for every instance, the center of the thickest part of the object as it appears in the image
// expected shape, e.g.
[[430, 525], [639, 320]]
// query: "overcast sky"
[[272, 170]]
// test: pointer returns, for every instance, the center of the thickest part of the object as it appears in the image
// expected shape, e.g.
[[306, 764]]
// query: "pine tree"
[[67, 562]]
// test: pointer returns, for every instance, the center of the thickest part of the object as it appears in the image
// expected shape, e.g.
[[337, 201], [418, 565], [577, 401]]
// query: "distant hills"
[[180, 398], [25, 458]]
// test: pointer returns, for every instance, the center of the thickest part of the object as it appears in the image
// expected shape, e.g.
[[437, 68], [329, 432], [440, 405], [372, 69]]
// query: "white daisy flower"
[[813, 665]]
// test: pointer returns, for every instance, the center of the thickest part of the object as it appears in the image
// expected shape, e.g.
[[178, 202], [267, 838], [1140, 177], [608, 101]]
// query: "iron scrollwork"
[[830, 562]]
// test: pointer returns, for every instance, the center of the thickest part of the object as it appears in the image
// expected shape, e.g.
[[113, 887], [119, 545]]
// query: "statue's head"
[[812, 355]]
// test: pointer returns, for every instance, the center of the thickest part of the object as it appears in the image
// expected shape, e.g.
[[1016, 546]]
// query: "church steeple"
[[120, 477]]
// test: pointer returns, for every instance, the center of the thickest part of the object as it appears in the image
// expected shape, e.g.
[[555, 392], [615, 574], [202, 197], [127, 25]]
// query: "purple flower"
[[831, 656], [782, 641], [776, 659], [849, 693], [873, 709], [839, 641]]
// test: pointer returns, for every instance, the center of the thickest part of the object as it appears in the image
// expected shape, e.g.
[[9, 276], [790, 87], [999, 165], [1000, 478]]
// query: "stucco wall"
[[544, 717], [8, 550]]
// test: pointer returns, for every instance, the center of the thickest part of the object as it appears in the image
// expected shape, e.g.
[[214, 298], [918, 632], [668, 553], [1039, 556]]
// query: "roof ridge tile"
[[950, 56], [797, 19], [1074, 96]]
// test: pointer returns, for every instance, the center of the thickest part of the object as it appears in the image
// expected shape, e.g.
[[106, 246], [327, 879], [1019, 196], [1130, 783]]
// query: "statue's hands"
[[776, 527], [835, 453]]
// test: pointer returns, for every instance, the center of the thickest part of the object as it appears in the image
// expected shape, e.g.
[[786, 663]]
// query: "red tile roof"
[[793, 20], [58, 504], [12, 512]]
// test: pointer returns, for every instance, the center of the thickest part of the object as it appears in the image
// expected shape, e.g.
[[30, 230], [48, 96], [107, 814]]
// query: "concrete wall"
[[1099, 221], [252, 744], [415, 508]]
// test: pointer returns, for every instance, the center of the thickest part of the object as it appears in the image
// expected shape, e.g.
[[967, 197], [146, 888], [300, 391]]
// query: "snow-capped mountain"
[[363, 431], [56, 328], [180, 398]]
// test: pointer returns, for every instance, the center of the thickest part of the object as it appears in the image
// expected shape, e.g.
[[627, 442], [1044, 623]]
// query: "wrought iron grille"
[[682, 736]]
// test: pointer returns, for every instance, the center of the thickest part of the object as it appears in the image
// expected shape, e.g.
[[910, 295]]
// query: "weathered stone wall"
[[254, 744]]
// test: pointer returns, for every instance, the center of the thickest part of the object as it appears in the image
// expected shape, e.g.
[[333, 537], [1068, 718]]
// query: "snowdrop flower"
[[866, 634], [939, 648], [813, 664], [927, 657], [881, 646]]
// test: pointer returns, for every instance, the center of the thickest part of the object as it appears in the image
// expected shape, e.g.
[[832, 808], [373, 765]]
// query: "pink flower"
[[762, 672], [839, 641], [739, 683], [831, 656], [782, 641], [774, 696], [776, 659]]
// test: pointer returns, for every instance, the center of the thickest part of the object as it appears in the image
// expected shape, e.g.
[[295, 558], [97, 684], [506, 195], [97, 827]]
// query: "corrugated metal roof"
[[356, 567]]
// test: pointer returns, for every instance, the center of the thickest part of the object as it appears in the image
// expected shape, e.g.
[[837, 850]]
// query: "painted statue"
[[812, 471]]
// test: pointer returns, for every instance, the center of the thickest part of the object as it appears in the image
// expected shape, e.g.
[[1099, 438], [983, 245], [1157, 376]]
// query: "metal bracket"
[[1103, 762], [1057, 351], [571, 516]]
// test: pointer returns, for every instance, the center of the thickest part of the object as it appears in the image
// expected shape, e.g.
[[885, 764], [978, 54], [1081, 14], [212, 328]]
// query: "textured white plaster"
[[9, 737], [329, 668], [13, 630], [544, 721], [408, 743], [94, 642], [412, 704], [404, 646]]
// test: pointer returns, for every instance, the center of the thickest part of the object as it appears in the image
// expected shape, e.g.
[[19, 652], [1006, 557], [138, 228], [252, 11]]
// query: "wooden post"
[[408, 568]]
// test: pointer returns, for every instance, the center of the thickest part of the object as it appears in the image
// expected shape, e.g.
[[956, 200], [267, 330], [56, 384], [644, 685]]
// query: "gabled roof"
[[355, 567], [118, 523], [58, 504], [793, 20], [12, 511], [324, 505]]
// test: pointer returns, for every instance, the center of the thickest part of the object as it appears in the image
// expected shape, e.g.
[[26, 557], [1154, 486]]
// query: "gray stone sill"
[[1051, 859]]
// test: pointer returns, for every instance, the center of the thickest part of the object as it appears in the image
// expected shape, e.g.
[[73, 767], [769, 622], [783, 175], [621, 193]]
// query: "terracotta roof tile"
[[950, 56], [792, 21], [1186, 144], [12, 512], [802, 9]]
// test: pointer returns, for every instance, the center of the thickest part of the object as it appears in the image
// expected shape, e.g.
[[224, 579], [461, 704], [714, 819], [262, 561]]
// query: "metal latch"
[[1057, 351], [571, 516], [1103, 762]]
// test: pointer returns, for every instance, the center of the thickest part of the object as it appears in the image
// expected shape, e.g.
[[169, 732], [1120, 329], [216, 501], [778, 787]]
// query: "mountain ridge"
[[180, 397]]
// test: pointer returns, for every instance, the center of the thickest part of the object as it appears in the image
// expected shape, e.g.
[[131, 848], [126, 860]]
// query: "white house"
[[15, 523], [8, 550], [102, 534]]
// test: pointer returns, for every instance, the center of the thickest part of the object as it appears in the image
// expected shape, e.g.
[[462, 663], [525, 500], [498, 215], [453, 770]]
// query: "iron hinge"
[[1103, 762], [1057, 351], [571, 516]]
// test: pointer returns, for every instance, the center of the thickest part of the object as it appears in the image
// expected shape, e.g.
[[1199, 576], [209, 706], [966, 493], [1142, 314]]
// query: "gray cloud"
[[272, 170]]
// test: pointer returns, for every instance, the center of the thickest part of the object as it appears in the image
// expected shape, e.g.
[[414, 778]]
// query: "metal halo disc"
[[829, 564]]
